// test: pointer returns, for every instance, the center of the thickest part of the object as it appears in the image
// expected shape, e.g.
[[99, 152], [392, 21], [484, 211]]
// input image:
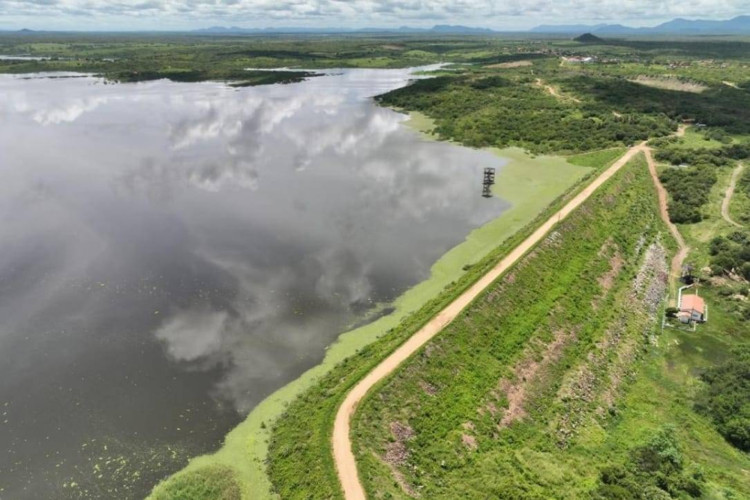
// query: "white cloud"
[[68, 112], [192, 335], [504, 14]]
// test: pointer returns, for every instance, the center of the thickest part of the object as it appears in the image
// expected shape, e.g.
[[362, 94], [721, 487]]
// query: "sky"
[[496, 14]]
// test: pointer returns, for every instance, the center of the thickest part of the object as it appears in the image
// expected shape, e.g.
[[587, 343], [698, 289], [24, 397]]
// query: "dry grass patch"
[[516, 389], [670, 83], [397, 455], [512, 64]]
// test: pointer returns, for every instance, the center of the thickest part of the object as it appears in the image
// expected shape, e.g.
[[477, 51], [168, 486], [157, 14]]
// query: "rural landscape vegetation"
[[566, 375]]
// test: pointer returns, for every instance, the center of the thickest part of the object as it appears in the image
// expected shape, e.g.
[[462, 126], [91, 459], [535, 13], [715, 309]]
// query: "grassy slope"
[[529, 184], [739, 208], [466, 362], [301, 437], [694, 139]]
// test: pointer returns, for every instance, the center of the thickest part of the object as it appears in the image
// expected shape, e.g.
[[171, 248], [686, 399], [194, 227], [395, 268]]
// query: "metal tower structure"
[[489, 180]]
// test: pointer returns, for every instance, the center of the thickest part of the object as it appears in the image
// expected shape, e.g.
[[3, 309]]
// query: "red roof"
[[693, 303]]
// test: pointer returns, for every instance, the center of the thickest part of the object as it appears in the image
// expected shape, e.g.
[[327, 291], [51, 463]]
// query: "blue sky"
[[496, 14]]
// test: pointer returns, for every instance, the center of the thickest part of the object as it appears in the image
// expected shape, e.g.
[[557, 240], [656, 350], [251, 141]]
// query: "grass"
[[529, 184], [215, 482], [543, 455], [739, 208], [694, 139]]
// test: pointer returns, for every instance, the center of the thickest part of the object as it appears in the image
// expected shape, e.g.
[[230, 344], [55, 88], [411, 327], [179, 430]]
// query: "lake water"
[[173, 253]]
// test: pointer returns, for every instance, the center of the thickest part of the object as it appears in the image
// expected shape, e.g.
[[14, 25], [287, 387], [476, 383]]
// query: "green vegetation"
[[500, 111], [691, 183], [742, 197], [530, 185], [568, 328], [726, 399], [239, 78], [301, 436], [555, 382], [714, 157], [689, 189], [731, 254], [655, 469], [209, 483]]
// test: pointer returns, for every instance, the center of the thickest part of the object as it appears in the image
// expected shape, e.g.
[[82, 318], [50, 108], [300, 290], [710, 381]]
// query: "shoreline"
[[528, 184]]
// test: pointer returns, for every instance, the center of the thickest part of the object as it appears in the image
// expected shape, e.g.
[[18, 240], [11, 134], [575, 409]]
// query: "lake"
[[173, 253]]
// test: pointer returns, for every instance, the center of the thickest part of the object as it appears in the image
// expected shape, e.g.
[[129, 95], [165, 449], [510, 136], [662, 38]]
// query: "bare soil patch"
[[670, 83], [512, 64], [525, 373]]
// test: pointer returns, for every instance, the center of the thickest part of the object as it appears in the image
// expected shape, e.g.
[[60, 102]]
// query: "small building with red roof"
[[692, 307]]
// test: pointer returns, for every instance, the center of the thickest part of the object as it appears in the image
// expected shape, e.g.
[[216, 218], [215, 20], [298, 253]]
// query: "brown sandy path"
[[728, 196], [346, 464], [554, 93], [683, 249]]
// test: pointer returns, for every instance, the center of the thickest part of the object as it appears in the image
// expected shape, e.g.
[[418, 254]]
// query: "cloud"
[[503, 14], [68, 112], [190, 335]]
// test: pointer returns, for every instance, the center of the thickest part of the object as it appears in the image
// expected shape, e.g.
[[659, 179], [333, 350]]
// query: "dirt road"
[[683, 249], [346, 464], [554, 93], [728, 196]]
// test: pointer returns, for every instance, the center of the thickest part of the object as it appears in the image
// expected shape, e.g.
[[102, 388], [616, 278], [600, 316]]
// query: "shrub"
[[656, 470], [214, 482], [726, 398]]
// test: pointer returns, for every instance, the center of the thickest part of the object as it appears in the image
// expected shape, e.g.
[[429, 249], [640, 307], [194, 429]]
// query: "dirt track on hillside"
[[346, 464], [683, 249]]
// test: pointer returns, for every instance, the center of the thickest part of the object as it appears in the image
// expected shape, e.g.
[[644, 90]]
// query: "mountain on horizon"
[[440, 28], [739, 25]]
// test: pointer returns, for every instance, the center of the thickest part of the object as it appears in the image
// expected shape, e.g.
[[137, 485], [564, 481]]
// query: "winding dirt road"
[[346, 464], [683, 249], [554, 93], [728, 196]]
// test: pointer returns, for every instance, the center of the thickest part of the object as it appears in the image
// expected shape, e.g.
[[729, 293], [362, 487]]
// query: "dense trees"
[[731, 254], [480, 110], [690, 184], [657, 469], [717, 107], [689, 189], [717, 157], [726, 398]]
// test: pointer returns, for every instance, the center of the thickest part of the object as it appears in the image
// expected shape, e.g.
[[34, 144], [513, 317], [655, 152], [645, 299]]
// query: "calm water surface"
[[172, 253]]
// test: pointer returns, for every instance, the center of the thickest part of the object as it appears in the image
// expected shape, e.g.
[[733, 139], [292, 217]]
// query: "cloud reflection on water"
[[234, 232]]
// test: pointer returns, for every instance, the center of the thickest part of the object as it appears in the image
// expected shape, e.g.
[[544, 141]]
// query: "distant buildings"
[[578, 59]]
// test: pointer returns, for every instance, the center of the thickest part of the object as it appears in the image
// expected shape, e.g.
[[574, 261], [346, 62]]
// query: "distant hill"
[[444, 28], [588, 38], [566, 28], [739, 25], [440, 28]]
